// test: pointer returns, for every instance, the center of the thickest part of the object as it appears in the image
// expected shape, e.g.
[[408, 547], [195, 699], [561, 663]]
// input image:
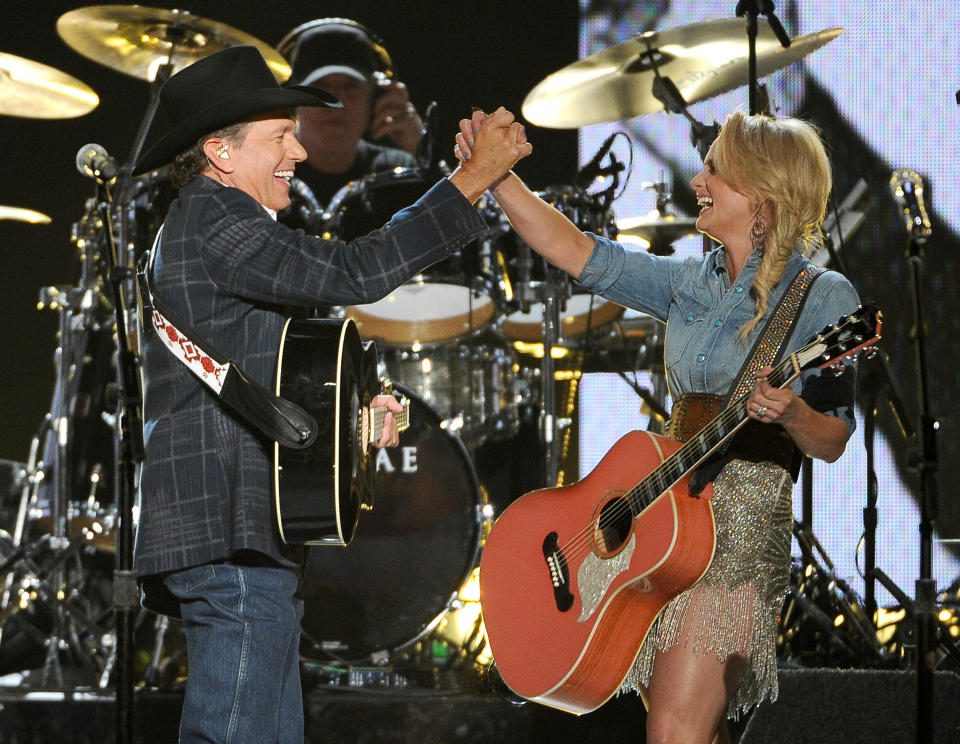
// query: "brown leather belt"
[[754, 442]]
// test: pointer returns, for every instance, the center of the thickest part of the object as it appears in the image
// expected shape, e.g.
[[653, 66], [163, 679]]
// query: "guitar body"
[[325, 368], [571, 646]]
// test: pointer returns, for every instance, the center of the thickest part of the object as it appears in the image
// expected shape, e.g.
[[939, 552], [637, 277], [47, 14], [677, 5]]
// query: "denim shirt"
[[704, 312]]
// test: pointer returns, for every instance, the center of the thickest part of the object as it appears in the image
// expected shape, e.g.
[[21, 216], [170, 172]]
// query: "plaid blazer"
[[227, 268]]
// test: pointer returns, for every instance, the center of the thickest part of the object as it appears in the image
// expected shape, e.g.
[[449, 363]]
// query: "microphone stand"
[[126, 594], [926, 461], [428, 154], [751, 9], [877, 378]]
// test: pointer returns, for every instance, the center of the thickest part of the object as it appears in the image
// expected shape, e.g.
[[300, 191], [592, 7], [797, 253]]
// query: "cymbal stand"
[[857, 621], [553, 296], [667, 92], [70, 303], [752, 9], [26, 491], [43, 563]]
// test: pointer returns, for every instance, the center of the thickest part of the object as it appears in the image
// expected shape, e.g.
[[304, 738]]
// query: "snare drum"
[[446, 301], [413, 552], [580, 311]]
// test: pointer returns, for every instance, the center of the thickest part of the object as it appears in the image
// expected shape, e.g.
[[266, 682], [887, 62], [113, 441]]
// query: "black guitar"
[[324, 367]]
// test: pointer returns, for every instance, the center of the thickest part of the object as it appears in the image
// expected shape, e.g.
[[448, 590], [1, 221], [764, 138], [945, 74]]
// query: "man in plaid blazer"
[[207, 546]]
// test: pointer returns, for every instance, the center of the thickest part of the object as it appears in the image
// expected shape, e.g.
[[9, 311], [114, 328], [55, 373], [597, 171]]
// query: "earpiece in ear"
[[222, 153]]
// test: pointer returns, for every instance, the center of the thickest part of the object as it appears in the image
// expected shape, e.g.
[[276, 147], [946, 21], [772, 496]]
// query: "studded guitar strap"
[[766, 351]]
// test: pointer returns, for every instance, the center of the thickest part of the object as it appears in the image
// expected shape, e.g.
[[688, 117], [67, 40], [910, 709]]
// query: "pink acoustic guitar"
[[572, 578]]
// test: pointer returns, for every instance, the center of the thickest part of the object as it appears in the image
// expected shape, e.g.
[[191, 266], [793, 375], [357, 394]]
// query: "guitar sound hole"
[[613, 525]]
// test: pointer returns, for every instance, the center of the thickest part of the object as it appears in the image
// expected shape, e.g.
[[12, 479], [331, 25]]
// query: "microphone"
[[427, 152], [591, 169], [94, 162], [907, 189]]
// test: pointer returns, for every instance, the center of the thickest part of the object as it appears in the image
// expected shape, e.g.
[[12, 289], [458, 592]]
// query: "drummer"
[[377, 129]]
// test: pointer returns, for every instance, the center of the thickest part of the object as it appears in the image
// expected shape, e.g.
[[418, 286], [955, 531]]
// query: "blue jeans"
[[242, 625]]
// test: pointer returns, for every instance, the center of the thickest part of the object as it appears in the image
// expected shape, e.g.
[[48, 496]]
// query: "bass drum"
[[412, 553], [446, 301]]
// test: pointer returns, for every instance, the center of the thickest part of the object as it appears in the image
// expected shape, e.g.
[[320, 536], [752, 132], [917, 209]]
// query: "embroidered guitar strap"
[[259, 408]]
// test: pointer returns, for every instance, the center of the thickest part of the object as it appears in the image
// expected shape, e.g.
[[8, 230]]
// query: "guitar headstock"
[[851, 335]]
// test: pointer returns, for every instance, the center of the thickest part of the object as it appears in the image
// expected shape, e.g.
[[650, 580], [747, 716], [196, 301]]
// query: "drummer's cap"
[[329, 49]]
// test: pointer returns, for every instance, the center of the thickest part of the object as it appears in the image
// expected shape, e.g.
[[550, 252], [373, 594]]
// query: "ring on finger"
[[761, 411]]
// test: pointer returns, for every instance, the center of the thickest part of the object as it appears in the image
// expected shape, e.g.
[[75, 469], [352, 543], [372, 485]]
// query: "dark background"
[[484, 55], [489, 57]]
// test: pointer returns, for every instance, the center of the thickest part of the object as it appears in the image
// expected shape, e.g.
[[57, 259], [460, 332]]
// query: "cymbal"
[[655, 226], [36, 91], [702, 59], [23, 215], [136, 40]]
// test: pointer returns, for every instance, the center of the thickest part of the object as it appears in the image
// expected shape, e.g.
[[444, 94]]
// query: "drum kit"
[[474, 342]]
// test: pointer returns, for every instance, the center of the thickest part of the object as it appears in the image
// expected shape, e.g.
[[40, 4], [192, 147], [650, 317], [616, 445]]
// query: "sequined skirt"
[[734, 608]]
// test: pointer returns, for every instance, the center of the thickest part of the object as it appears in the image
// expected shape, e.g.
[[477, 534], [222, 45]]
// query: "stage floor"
[[821, 706]]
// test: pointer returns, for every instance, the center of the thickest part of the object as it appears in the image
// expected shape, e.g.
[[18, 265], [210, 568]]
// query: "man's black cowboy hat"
[[222, 89]]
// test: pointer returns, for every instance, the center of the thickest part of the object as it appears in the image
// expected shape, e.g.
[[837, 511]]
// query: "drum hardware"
[[579, 313], [823, 621], [304, 211], [47, 571], [565, 425], [48, 616], [462, 631], [36, 91], [473, 384], [45, 583], [547, 311], [659, 228], [26, 483]]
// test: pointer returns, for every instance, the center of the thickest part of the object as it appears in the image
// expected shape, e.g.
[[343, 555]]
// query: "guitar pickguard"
[[596, 574]]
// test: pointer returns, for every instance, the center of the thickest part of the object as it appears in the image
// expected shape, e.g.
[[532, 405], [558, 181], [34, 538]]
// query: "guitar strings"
[[378, 415], [580, 543], [732, 414]]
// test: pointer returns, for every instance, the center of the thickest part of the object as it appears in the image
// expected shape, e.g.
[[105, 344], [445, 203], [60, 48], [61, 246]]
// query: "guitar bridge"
[[559, 572]]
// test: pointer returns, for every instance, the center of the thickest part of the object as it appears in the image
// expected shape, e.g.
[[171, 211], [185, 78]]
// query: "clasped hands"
[[488, 146]]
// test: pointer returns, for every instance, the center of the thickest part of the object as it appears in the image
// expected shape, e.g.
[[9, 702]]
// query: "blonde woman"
[[711, 655]]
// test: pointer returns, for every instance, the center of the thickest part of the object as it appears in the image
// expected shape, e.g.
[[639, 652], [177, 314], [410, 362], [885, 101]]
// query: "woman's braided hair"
[[780, 163]]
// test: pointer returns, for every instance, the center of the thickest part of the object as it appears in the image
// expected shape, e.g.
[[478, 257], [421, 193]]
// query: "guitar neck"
[[377, 416], [702, 445]]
